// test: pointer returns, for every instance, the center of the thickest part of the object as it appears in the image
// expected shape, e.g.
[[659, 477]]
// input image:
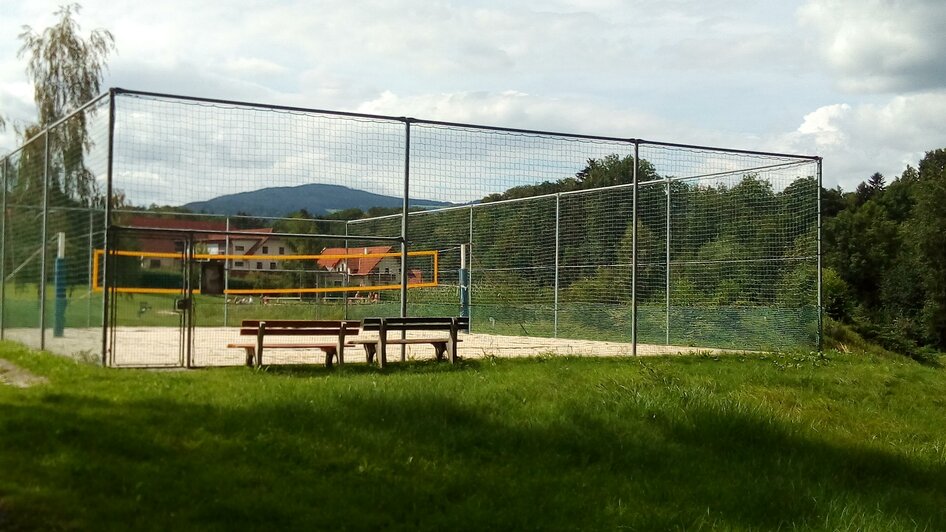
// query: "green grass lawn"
[[851, 442]]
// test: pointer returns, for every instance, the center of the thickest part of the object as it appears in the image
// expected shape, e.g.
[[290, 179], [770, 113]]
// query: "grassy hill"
[[738, 442]]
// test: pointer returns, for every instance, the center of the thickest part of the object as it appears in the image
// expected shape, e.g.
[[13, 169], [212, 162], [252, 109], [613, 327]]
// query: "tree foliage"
[[66, 70], [887, 249]]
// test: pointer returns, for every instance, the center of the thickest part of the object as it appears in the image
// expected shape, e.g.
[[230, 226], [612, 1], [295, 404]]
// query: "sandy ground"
[[161, 347]]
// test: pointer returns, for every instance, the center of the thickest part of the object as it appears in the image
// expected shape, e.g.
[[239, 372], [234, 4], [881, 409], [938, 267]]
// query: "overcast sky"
[[860, 82]]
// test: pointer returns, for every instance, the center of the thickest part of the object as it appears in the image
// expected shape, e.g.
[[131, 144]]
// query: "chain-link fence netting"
[[221, 212], [54, 197]]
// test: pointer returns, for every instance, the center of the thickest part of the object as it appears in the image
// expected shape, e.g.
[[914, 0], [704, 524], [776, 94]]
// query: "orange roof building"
[[357, 266]]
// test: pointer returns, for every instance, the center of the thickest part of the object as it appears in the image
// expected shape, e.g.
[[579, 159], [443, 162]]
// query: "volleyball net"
[[153, 272]]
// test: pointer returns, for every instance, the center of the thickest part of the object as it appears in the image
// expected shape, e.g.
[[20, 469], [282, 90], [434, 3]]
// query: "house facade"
[[161, 243], [259, 251], [248, 253], [363, 267]]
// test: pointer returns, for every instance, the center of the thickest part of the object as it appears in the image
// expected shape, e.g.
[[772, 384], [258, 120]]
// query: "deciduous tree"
[[66, 70]]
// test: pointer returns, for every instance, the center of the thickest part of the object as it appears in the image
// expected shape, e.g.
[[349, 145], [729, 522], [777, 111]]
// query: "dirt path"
[[13, 375]]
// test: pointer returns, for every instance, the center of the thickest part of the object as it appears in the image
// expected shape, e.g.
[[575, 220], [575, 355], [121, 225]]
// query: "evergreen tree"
[[929, 231]]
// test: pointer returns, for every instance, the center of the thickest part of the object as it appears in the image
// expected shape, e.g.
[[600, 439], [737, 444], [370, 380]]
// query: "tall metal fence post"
[[404, 215], [667, 269], [820, 279], [107, 223], [558, 202], [469, 274], [634, 252], [91, 262], [226, 275], [42, 255], [3, 250], [347, 272], [464, 282]]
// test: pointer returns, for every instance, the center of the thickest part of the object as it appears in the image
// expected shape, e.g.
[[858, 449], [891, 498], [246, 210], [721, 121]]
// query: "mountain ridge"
[[317, 198]]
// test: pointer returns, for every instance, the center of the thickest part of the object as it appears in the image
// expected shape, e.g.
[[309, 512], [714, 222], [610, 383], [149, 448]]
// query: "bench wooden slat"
[[298, 332], [415, 324], [338, 329], [298, 323], [290, 346]]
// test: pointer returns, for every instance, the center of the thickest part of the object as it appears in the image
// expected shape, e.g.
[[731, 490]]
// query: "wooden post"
[[340, 346], [261, 331], [453, 341], [382, 344]]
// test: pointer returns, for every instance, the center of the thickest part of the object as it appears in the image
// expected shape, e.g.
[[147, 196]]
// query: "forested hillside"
[[885, 257]]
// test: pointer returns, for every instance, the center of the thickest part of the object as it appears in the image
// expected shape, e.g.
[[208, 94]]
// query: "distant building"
[[163, 243], [365, 268], [258, 252]]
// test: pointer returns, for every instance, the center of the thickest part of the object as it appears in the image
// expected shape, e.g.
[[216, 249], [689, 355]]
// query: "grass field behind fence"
[[850, 442]]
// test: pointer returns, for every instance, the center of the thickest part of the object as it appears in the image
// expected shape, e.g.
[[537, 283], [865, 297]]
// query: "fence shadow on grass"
[[376, 457]]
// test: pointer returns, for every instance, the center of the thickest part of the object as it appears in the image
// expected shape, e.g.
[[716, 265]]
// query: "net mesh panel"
[[77, 189], [177, 154], [726, 242], [69, 178], [512, 262], [23, 243], [743, 248]]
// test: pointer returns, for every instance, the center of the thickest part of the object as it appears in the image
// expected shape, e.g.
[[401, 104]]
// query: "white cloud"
[[524, 111], [881, 45], [821, 127], [858, 140]]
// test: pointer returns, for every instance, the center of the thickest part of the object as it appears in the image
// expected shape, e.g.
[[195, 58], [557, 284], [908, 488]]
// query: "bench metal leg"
[[440, 348], [451, 349], [454, 329], [371, 349], [250, 355]]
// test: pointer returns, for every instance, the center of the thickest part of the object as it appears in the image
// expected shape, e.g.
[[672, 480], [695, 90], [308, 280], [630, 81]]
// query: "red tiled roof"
[[357, 266], [162, 244]]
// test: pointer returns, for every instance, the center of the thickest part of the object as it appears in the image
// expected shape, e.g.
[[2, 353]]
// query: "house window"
[[272, 265], [265, 250], [387, 271], [259, 265], [155, 263], [238, 248], [238, 264], [282, 250]]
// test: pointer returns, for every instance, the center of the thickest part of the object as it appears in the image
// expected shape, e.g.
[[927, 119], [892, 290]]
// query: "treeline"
[[885, 257], [730, 242], [884, 245]]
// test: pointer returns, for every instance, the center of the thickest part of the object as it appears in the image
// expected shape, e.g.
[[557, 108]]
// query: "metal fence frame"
[[403, 239]]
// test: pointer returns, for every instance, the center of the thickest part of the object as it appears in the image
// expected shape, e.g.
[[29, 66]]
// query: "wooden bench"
[[339, 331], [445, 345]]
